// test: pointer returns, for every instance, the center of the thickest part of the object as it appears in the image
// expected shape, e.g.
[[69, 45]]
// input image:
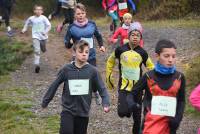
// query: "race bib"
[[122, 6], [79, 87], [90, 41], [131, 73], [163, 105]]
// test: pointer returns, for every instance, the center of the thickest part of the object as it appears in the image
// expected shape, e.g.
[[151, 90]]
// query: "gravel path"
[[101, 123]]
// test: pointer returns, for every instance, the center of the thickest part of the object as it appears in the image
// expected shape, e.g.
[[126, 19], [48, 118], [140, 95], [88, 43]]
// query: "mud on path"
[[100, 123]]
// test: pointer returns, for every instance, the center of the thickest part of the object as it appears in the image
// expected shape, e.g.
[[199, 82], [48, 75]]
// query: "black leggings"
[[5, 12], [69, 16], [73, 124], [57, 9], [123, 111]]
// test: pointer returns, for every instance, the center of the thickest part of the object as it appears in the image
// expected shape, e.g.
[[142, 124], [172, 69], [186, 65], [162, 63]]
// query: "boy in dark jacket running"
[[80, 79]]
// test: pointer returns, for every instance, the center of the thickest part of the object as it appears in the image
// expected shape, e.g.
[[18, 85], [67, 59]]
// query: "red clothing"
[[123, 33], [110, 5]]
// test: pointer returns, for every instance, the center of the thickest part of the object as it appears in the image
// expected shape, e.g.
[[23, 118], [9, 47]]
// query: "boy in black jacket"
[[164, 98], [80, 78]]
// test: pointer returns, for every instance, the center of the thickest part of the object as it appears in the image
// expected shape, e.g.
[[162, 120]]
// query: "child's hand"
[[106, 109], [102, 49]]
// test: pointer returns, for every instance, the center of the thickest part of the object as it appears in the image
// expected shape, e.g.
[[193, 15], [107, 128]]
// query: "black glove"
[[131, 103]]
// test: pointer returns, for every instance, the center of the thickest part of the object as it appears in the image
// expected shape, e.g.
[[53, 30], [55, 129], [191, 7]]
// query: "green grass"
[[17, 118], [12, 55], [193, 79]]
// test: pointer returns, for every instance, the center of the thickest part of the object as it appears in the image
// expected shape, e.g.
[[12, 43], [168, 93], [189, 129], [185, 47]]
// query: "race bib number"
[[122, 6], [163, 105], [131, 73], [79, 87], [90, 41]]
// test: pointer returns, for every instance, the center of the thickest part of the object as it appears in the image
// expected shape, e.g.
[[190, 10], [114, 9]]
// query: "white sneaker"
[[50, 17]]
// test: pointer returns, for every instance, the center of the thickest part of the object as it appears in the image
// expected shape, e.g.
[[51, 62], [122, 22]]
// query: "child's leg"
[[57, 9], [6, 17], [80, 125], [115, 20], [36, 45], [66, 123], [43, 45]]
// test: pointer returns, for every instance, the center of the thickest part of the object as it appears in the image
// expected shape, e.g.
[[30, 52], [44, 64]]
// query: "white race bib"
[[79, 87], [122, 6], [163, 105], [131, 73], [90, 41]]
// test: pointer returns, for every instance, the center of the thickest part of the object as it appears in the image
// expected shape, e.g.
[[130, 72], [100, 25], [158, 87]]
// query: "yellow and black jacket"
[[130, 66]]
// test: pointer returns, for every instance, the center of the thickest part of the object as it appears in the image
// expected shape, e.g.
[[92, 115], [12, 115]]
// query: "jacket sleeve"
[[98, 36], [48, 25], [149, 64], [100, 86], [132, 4], [115, 35], [27, 23], [195, 98], [53, 88], [67, 39], [174, 122], [104, 4], [110, 64]]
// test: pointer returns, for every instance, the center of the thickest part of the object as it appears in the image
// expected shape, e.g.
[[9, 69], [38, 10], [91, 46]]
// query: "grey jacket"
[[78, 105]]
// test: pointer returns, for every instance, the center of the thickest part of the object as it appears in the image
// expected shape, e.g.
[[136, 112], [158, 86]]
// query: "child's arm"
[[195, 97], [27, 23], [68, 37], [99, 39], [115, 36], [174, 122], [130, 2], [47, 25], [100, 86], [53, 88]]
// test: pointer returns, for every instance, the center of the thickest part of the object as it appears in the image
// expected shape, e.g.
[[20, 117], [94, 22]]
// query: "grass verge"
[[16, 117], [12, 55]]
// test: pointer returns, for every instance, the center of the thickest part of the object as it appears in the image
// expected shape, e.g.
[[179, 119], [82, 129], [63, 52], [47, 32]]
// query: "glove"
[[131, 103], [109, 82]]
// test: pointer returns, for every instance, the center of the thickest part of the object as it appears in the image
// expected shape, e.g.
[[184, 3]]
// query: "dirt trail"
[[100, 123]]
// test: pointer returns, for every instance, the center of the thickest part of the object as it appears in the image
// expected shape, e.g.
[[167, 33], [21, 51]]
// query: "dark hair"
[[164, 44], [81, 44]]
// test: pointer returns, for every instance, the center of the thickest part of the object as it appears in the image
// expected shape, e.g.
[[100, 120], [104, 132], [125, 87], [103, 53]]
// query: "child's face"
[[134, 38], [38, 11], [127, 21], [167, 57], [82, 55], [80, 15]]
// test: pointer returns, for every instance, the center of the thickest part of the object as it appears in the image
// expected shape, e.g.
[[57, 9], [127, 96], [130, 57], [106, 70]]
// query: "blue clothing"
[[164, 70], [132, 4], [89, 30]]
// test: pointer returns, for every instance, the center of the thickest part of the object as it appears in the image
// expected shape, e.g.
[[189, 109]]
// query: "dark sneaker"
[[97, 98], [37, 69]]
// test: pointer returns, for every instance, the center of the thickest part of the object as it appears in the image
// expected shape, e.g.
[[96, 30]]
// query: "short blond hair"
[[127, 15]]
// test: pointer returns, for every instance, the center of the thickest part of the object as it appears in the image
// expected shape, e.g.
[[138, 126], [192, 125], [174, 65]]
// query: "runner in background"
[[5, 12], [164, 98]]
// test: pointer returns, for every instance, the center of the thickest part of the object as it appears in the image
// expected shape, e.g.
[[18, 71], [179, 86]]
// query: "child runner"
[[80, 79], [111, 7], [84, 29], [40, 28], [68, 6], [57, 9], [164, 98], [5, 10], [131, 57], [123, 30], [195, 99]]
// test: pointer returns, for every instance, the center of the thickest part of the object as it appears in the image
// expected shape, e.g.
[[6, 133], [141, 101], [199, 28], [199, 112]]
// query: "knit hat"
[[127, 15], [135, 26]]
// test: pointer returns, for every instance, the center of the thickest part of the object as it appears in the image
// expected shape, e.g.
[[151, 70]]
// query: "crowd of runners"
[[154, 98]]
